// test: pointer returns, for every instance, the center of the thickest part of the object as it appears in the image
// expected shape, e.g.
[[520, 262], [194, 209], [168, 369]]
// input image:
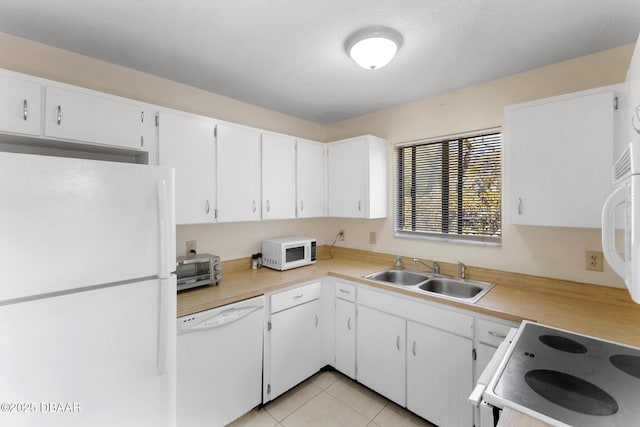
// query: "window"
[[450, 188]]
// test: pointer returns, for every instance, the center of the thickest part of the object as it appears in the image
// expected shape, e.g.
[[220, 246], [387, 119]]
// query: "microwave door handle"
[[615, 199]]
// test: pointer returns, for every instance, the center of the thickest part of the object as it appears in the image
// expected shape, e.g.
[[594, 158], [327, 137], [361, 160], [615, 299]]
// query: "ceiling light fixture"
[[373, 47]]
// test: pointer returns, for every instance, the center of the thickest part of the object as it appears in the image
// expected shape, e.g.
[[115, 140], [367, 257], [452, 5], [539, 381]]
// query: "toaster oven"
[[198, 270]]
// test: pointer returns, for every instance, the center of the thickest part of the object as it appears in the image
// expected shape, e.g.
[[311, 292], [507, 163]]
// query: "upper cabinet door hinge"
[[142, 116], [215, 131], [157, 120], [616, 103], [474, 354], [215, 213]]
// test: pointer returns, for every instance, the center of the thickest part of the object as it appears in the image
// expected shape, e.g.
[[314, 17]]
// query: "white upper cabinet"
[[187, 143], [558, 158], [278, 176], [93, 118], [357, 175], [238, 173], [311, 179], [19, 106]]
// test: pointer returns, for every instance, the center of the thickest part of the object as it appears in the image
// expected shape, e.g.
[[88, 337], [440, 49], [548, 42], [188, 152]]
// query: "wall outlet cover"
[[593, 261], [191, 246]]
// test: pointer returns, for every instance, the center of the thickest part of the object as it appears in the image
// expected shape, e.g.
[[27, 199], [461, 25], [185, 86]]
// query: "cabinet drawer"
[[345, 291], [493, 333], [295, 296]]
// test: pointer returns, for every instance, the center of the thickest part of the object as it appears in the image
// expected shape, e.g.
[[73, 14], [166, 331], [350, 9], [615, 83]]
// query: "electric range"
[[568, 379]]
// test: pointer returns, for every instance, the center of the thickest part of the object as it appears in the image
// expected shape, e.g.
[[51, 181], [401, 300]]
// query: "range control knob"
[[218, 276], [217, 267]]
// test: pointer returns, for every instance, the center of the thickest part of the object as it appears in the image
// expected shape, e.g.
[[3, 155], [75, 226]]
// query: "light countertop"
[[601, 311]]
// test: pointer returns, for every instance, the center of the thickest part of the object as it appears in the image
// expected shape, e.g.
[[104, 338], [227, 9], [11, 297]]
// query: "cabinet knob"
[[317, 320], [413, 348], [301, 206], [398, 342], [208, 207], [349, 323], [359, 205], [25, 110], [268, 206], [253, 206]]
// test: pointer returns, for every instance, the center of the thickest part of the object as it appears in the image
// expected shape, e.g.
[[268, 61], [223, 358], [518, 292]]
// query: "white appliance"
[[285, 253], [620, 213], [220, 363], [87, 298]]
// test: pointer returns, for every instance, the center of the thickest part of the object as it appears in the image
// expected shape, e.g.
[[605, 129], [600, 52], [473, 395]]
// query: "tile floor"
[[329, 399]]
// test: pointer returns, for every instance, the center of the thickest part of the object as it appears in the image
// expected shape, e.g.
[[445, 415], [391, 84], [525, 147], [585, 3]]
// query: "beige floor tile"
[[394, 416], [373, 424], [358, 397], [255, 418], [325, 379], [286, 404], [325, 410]]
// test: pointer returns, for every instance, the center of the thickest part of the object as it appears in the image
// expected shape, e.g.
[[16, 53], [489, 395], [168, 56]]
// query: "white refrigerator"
[[87, 295]]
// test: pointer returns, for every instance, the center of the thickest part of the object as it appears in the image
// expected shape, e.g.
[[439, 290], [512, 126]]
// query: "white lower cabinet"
[[346, 338], [295, 337], [439, 375], [381, 353]]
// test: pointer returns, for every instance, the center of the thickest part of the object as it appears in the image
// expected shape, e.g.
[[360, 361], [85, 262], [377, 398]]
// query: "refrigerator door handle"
[[164, 236], [161, 362], [164, 273]]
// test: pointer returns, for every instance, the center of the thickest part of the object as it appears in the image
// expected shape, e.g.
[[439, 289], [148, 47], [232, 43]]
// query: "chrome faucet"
[[435, 268], [463, 268]]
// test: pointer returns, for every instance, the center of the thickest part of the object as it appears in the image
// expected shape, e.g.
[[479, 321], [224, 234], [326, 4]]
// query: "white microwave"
[[285, 253]]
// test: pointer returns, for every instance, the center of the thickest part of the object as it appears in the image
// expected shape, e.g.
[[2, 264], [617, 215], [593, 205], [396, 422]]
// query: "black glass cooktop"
[[575, 379]]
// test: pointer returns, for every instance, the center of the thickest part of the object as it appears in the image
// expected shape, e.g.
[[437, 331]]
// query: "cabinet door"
[[187, 143], [559, 155], [238, 174], [19, 106], [91, 118], [311, 173], [346, 338], [381, 353], [347, 172], [439, 375], [278, 176], [296, 351]]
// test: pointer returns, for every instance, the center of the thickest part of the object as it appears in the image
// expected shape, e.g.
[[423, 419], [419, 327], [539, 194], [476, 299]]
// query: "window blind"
[[450, 188]]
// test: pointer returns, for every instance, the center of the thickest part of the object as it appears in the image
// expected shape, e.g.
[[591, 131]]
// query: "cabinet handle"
[[349, 323], [636, 118], [268, 206], [253, 206], [298, 296], [344, 291], [413, 348], [317, 320], [301, 206], [497, 335], [398, 342], [25, 110], [59, 115], [359, 205], [520, 206], [208, 207]]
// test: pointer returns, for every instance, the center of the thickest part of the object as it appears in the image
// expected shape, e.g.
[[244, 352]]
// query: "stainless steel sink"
[[399, 277], [441, 286]]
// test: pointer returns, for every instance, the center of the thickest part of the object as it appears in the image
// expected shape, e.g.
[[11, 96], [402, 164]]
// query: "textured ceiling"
[[288, 55]]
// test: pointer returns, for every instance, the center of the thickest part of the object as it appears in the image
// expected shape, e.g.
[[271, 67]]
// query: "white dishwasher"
[[219, 363]]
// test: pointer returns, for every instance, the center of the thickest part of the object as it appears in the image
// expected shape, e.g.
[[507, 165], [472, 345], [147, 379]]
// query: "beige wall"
[[541, 251]]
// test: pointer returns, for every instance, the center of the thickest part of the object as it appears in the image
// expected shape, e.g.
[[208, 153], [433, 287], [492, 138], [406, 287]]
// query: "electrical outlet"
[[372, 237], [593, 260], [341, 235], [191, 246]]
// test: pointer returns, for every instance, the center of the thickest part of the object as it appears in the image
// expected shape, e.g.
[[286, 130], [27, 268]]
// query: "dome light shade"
[[373, 47]]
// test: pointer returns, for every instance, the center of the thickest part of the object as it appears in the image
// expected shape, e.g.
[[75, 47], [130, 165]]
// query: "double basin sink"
[[437, 285]]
